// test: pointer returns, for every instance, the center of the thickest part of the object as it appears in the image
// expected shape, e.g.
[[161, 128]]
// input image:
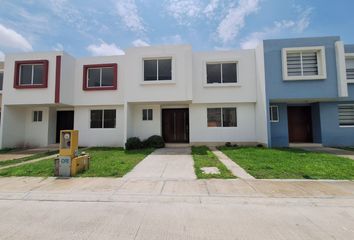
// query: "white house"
[[184, 96]]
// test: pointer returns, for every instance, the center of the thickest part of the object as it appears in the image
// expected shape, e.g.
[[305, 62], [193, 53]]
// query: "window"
[[158, 69], [100, 77], [37, 116], [31, 74], [346, 114], [103, 118], [147, 114], [274, 113], [306, 63], [222, 117], [349, 62], [1, 79], [221, 72]]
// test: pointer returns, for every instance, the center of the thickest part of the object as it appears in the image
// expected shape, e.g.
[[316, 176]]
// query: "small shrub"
[[133, 143], [228, 144], [154, 141], [235, 145], [260, 145]]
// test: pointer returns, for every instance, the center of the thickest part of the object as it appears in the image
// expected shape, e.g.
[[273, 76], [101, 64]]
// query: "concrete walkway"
[[334, 151], [165, 163], [21, 153], [30, 161], [231, 165]]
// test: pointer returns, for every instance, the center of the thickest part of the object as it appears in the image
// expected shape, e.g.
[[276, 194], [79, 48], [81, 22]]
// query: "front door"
[[300, 124], [65, 121], [175, 125]]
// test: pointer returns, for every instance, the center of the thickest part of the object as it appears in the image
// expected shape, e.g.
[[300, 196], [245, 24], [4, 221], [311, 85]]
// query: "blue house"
[[309, 91]]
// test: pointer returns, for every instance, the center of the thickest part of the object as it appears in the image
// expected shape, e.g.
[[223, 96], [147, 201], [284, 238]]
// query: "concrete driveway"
[[165, 163]]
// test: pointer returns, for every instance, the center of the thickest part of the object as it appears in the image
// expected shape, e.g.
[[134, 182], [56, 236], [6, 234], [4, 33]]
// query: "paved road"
[[108, 208]]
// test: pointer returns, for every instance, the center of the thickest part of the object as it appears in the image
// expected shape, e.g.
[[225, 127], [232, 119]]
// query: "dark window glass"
[[25, 74], [229, 117], [149, 114], [150, 70], [38, 74], [274, 114], [1, 79], [213, 73], [37, 116], [96, 118], [229, 73], [109, 119], [107, 77], [145, 113], [40, 113], [94, 75], [214, 117], [165, 69]]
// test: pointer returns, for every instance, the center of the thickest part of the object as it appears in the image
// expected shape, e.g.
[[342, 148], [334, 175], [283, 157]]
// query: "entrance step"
[[177, 145]]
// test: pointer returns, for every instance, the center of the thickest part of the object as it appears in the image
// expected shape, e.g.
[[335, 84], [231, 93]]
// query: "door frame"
[[187, 122], [309, 107]]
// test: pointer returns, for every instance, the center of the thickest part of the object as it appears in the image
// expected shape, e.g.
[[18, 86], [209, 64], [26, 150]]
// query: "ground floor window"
[[37, 116], [274, 113], [346, 114], [147, 114], [222, 117], [103, 118]]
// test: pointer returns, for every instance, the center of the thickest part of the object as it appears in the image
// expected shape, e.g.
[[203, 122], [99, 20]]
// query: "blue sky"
[[107, 27]]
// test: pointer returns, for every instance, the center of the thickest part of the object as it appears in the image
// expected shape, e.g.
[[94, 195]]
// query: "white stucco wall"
[[99, 136], [36, 133], [104, 97], [201, 133], [243, 91], [29, 96], [67, 79], [179, 89], [145, 129], [12, 126]]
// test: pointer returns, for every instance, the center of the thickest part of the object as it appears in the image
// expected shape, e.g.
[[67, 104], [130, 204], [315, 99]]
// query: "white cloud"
[[278, 27], [184, 10], [11, 39], [140, 43], [104, 49], [210, 8], [234, 21], [128, 12], [2, 56], [58, 47], [174, 39]]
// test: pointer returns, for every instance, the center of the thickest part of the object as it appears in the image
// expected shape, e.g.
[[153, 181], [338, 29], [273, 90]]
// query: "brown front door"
[[175, 125], [300, 124]]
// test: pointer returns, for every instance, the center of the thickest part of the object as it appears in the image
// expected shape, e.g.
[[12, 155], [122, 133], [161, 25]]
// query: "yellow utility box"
[[69, 163]]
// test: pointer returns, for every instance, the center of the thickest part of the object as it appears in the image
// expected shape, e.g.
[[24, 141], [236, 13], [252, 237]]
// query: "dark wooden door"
[[65, 121], [175, 125], [300, 124]]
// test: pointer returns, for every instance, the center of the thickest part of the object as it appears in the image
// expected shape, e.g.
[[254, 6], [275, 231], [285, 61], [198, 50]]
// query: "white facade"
[[142, 107]]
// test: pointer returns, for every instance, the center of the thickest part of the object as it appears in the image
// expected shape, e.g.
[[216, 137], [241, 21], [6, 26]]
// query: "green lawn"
[[203, 157], [287, 163], [105, 162], [24, 159]]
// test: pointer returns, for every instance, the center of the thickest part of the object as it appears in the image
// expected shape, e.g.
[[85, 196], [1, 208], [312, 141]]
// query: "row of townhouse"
[[284, 91]]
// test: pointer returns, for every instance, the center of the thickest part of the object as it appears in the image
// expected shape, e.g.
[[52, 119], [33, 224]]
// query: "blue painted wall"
[[332, 133], [279, 130], [316, 123], [278, 89]]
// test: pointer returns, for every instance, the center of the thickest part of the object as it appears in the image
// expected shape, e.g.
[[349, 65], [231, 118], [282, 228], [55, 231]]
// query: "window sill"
[[350, 81], [221, 85], [301, 78], [349, 126], [161, 82], [100, 88]]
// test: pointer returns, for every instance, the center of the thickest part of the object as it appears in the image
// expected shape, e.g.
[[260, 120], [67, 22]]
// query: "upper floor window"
[[1, 79], [306, 63], [100, 77], [31, 74], [346, 115], [159, 69], [225, 72], [349, 62], [222, 117]]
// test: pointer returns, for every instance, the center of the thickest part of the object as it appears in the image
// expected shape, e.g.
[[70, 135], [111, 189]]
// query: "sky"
[[107, 27]]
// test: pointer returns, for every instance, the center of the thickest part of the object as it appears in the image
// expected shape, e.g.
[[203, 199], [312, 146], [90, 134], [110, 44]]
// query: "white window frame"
[[271, 113], [222, 118], [30, 84], [102, 124], [321, 63], [348, 56], [147, 114], [100, 86], [157, 69], [221, 63], [344, 126]]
